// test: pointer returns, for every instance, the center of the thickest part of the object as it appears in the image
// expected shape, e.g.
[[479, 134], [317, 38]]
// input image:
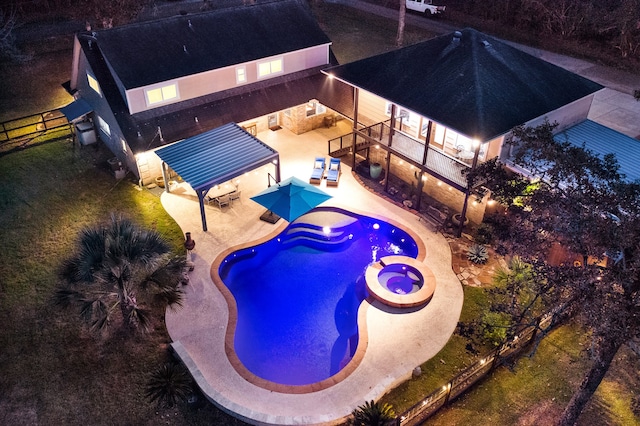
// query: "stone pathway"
[[469, 273]]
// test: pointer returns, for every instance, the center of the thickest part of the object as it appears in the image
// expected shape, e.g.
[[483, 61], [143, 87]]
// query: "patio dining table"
[[221, 190]]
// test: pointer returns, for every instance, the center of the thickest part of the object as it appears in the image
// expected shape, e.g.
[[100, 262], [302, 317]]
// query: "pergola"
[[216, 156]]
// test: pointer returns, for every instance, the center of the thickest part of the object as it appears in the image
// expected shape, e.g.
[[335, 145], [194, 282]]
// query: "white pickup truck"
[[425, 6]]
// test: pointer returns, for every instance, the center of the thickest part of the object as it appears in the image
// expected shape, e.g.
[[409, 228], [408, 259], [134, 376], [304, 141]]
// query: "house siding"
[[102, 109], [195, 86], [568, 115]]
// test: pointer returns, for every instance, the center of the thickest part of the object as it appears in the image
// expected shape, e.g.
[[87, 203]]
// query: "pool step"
[[313, 235]]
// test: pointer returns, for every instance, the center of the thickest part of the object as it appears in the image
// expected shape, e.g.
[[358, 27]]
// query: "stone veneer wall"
[[432, 187], [298, 122]]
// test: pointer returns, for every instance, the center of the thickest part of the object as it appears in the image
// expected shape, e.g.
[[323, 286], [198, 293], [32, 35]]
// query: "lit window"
[[439, 136], [93, 83], [104, 126], [124, 145], [241, 75], [311, 108], [162, 94], [270, 67]]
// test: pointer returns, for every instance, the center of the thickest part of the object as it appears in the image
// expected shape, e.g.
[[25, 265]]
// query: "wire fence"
[[437, 399]]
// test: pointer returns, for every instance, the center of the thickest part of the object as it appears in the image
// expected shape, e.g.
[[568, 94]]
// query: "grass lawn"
[[51, 372]]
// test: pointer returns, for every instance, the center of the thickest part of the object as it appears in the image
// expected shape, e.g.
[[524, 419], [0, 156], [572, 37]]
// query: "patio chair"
[[235, 196], [318, 170], [333, 174], [222, 201]]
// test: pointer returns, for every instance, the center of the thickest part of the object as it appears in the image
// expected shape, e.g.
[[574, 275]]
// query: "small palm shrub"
[[484, 234], [478, 254], [373, 414], [169, 385]]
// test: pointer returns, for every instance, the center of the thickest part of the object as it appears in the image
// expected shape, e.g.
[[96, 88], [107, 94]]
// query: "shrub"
[[494, 327], [373, 414], [478, 254], [484, 234], [169, 385]]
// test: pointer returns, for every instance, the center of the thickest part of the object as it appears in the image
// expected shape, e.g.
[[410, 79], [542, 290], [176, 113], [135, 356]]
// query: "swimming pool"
[[297, 295]]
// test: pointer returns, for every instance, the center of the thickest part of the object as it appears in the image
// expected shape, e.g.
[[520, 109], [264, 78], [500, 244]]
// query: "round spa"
[[400, 281]]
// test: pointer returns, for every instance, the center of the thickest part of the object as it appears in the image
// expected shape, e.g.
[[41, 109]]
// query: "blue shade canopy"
[[291, 198], [76, 109]]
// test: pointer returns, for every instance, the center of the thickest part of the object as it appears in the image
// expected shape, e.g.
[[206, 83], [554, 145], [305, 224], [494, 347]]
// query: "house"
[[151, 83], [430, 111]]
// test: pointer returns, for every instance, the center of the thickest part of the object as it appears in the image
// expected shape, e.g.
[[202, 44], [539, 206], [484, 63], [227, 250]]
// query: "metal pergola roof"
[[602, 140], [216, 156]]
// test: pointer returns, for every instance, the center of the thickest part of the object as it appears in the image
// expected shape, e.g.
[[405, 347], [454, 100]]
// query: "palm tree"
[[169, 385], [373, 414], [118, 273]]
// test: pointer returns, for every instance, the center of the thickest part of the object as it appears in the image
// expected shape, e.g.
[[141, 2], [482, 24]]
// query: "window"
[[241, 75], [124, 145], [314, 107], [311, 108], [93, 83], [161, 94], [104, 126], [268, 68]]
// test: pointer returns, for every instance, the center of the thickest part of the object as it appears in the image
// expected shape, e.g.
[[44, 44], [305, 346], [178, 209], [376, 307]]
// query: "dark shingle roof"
[[150, 52], [474, 84]]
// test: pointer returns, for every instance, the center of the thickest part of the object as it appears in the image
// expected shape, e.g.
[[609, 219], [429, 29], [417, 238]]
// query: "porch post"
[[391, 130], [202, 213], [163, 169], [355, 126], [463, 213], [427, 142], [278, 169], [475, 156]]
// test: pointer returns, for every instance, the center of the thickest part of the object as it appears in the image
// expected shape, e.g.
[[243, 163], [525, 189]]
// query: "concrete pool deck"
[[395, 342]]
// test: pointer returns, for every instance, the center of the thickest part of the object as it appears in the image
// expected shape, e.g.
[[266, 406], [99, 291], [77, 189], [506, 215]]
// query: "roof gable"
[[150, 52], [468, 81]]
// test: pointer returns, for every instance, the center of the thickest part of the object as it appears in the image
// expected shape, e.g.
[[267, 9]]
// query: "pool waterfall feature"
[[302, 315]]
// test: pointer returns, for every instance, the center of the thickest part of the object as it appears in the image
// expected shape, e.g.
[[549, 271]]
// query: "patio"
[[198, 329]]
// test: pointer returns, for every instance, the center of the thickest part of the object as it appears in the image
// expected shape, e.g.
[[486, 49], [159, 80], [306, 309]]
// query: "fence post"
[[446, 398]]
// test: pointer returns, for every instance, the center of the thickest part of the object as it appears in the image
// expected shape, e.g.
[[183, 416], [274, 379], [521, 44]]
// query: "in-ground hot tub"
[[400, 281]]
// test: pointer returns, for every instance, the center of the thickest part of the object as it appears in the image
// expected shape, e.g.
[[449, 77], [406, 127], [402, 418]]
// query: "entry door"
[[273, 120]]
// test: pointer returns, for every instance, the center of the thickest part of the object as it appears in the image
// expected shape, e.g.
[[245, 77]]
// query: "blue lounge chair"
[[333, 174], [318, 170]]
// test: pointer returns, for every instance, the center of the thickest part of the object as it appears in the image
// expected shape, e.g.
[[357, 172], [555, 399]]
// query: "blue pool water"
[[298, 294]]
